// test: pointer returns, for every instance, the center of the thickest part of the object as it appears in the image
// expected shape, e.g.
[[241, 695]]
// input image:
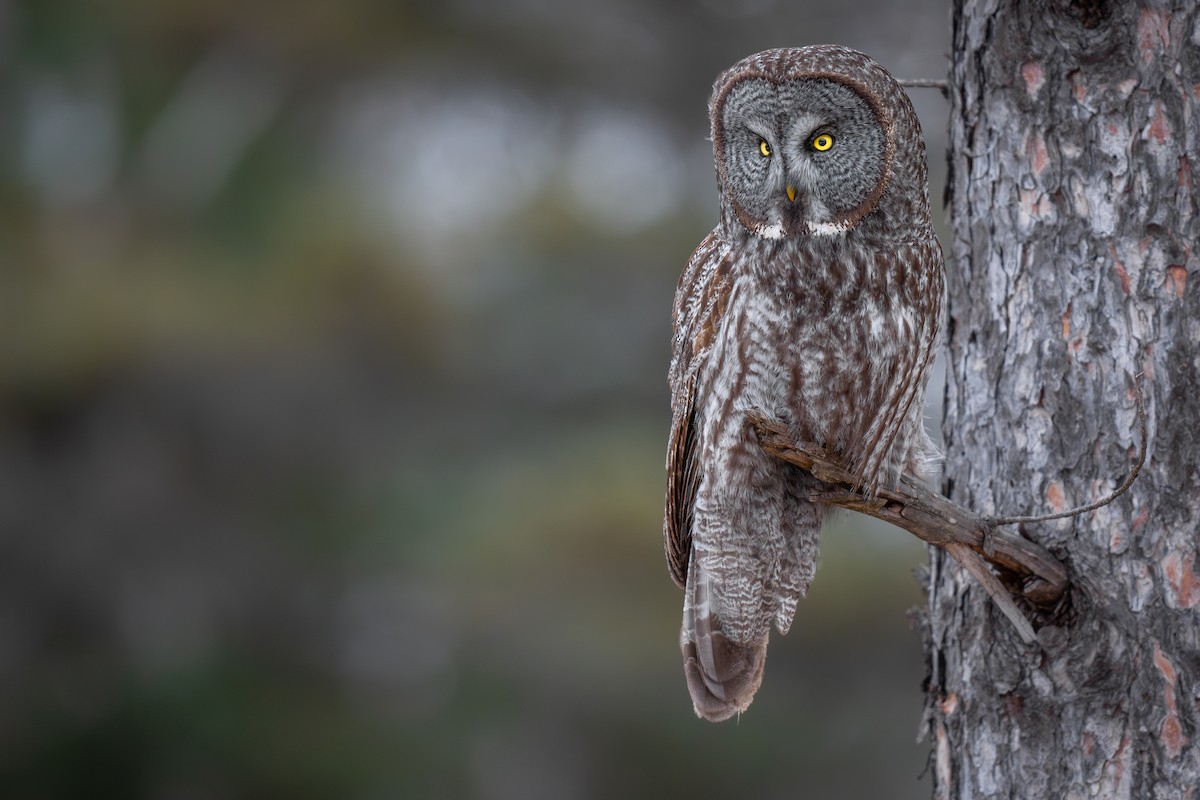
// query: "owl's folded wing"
[[700, 302], [906, 353], [682, 479]]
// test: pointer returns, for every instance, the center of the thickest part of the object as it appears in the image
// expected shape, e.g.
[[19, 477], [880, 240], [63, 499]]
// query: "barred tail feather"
[[722, 675]]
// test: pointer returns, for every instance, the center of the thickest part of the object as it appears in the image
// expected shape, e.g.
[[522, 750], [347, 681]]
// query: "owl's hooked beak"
[[791, 193]]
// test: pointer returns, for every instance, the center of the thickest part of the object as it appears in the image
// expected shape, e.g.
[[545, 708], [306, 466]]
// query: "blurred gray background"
[[333, 343]]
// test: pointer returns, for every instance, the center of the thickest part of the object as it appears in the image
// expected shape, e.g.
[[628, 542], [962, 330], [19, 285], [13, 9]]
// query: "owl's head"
[[805, 141]]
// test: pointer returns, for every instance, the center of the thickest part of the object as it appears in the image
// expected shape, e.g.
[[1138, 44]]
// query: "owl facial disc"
[[800, 154]]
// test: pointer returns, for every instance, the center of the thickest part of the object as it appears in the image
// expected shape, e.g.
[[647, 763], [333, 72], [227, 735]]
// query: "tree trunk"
[[1075, 267]]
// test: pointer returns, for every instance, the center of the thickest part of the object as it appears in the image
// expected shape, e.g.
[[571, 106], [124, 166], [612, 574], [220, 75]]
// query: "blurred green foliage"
[[331, 466]]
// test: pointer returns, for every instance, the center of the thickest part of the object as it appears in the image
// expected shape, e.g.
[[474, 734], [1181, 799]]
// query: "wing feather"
[[875, 460], [700, 301]]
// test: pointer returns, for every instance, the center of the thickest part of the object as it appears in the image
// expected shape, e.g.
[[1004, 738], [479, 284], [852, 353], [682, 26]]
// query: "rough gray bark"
[[1075, 266]]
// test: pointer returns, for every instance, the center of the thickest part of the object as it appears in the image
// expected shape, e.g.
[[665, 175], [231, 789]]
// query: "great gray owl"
[[817, 300]]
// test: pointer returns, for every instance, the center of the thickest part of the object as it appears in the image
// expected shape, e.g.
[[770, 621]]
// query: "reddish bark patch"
[[1177, 279], [1181, 578], [1170, 733], [1055, 497], [948, 704], [1066, 322], [1116, 540], [1141, 518], [1035, 151], [1034, 206], [1164, 666], [1153, 33], [1160, 127], [1119, 268], [1079, 89], [1119, 758], [1034, 77]]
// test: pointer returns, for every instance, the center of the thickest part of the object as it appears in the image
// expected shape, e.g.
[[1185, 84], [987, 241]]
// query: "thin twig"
[[1120, 490], [926, 83]]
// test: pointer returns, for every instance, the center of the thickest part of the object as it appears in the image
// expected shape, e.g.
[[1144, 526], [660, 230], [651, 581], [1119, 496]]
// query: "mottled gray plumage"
[[817, 300]]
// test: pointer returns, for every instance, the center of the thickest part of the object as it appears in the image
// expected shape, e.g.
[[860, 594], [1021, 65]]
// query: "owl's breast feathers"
[[856, 331]]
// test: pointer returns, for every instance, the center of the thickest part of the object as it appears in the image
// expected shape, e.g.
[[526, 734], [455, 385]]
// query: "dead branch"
[[973, 541], [934, 519]]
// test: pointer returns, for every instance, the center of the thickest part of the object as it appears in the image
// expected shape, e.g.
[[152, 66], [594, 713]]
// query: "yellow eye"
[[763, 147], [822, 142]]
